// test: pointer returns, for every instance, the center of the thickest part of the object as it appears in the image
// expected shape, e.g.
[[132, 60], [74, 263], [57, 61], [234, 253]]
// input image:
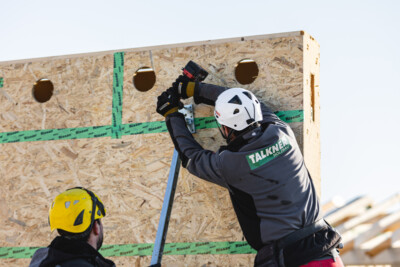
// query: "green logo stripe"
[[55, 134], [290, 116], [106, 131], [205, 123], [196, 248], [144, 128], [1, 82], [267, 154], [118, 81]]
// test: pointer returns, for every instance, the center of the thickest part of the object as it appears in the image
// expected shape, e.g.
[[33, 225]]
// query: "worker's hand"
[[184, 87], [167, 103]]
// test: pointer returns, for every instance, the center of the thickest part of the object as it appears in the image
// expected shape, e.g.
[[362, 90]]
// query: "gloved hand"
[[167, 103], [184, 87]]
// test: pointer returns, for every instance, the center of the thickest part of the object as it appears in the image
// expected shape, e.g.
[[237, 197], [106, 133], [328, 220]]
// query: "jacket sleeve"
[[199, 162], [207, 93], [269, 117], [39, 256]]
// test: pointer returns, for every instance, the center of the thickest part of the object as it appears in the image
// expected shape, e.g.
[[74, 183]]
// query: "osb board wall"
[[130, 174], [311, 124], [279, 82], [82, 93]]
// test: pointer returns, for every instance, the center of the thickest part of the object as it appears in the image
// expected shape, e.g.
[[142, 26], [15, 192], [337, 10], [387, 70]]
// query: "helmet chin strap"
[[226, 137]]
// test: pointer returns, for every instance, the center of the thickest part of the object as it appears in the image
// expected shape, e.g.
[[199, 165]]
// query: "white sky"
[[360, 55]]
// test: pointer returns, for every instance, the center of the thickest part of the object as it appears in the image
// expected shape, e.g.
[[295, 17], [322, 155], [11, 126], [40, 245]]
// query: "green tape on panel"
[[124, 129], [290, 116], [17, 252], [118, 80], [146, 249], [1, 82], [208, 248], [55, 134], [144, 128], [205, 123]]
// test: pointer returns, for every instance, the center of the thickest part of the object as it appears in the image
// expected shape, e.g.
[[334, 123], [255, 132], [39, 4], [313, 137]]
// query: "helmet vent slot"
[[236, 111], [76, 201], [235, 100], [250, 121], [248, 95], [79, 218], [67, 204]]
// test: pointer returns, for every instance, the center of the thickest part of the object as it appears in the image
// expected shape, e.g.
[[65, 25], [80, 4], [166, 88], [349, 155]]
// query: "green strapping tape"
[[290, 116], [125, 129], [196, 248], [205, 123], [1, 82], [287, 116], [55, 134], [144, 128], [17, 252], [208, 248], [118, 81]]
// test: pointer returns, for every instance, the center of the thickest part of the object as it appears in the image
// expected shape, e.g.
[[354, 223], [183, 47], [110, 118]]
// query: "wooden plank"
[[349, 237], [351, 209], [375, 211], [388, 223], [384, 242], [389, 256], [333, 204]]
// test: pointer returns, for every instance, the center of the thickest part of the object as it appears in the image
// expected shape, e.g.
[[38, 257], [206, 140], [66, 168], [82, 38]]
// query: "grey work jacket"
[[271, 190]]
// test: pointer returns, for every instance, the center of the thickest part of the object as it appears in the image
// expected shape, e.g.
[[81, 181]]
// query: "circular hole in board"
[[246, 71], [144, 79], [42, 90]]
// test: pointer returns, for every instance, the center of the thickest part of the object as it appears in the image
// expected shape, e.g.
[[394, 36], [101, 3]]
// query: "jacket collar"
[[243, 139], [63, 249]]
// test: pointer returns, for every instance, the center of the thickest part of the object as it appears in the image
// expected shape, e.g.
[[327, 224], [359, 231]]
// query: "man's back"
[[66, 252], [269, 184]]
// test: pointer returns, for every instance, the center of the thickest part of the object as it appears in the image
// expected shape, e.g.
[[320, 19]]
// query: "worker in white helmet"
[[262, 167]]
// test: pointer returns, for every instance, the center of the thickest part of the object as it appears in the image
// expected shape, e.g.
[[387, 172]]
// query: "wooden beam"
[[335, 203], [349, 237], [351, 209], [388, 223], [381, 208], [383, 242], [358, 257]]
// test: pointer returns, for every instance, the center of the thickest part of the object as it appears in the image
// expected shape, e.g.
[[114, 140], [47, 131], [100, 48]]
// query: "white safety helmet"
[[237, 109]]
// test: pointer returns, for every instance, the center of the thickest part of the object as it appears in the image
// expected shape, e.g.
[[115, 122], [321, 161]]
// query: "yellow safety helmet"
[[72, 210]]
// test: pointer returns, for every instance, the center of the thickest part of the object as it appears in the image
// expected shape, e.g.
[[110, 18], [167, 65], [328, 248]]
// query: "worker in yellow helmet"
[[76, 214]]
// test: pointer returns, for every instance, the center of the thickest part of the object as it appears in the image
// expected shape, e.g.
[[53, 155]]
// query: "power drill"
[[194, 72]]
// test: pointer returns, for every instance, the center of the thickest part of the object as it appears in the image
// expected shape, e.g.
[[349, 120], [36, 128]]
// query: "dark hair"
[[244, 131], [84, 237]]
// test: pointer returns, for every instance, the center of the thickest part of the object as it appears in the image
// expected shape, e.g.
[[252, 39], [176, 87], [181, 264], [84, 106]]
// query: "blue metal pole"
[[166, 210]]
